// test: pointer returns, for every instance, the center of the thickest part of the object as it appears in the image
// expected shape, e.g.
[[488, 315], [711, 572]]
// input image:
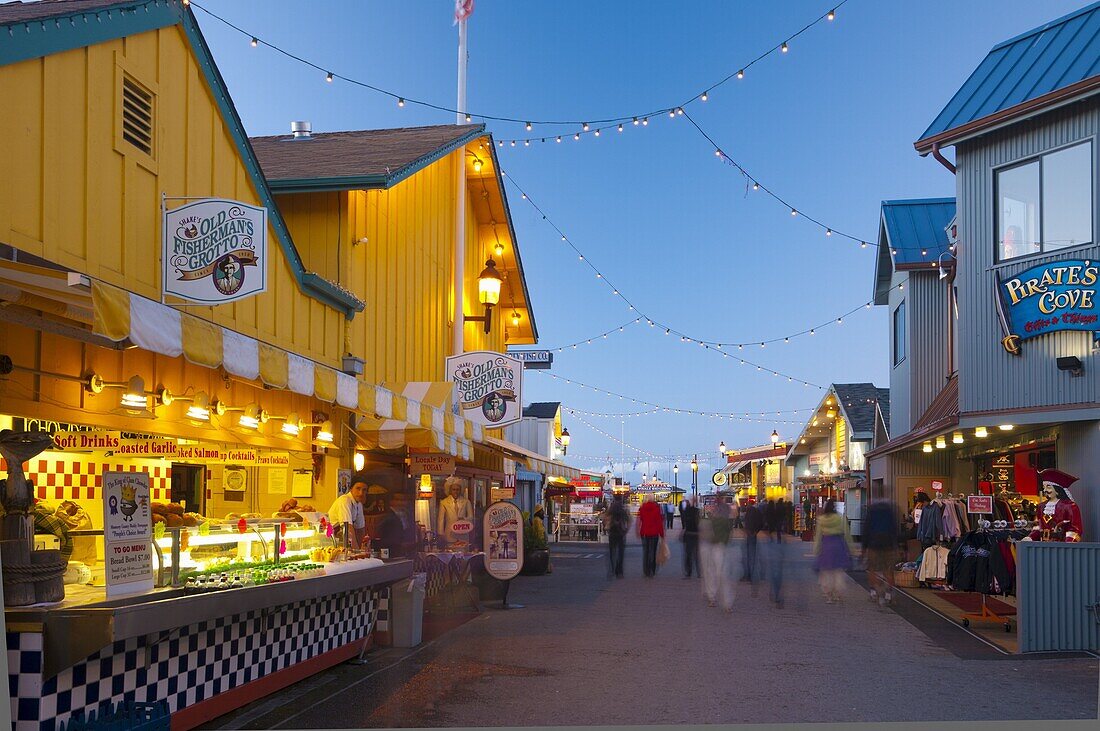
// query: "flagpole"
[[460, 202]]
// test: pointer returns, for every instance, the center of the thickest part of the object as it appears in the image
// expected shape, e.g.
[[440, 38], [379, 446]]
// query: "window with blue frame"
[[1045, 203], [899, 333]]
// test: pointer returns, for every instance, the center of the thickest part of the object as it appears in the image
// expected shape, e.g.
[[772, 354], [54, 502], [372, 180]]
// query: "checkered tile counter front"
[[189, 665]]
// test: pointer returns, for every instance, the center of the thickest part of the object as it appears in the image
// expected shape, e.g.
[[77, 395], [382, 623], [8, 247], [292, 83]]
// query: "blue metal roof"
[[1048, 58], [916, 226]]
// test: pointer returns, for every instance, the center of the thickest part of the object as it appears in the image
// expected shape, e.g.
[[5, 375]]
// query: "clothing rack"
[[985, 614]]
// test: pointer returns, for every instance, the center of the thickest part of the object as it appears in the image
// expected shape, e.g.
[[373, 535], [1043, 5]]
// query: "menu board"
[[127, 532]]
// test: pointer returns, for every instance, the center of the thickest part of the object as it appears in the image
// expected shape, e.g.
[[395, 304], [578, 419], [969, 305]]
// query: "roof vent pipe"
[[301, 130]]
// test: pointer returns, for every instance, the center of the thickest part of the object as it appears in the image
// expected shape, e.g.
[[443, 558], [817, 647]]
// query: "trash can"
[[407, 610]]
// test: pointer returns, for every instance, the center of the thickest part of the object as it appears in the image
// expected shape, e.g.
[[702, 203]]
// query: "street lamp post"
[[676, 475], [722, 448], [695, 476], [565, 441]]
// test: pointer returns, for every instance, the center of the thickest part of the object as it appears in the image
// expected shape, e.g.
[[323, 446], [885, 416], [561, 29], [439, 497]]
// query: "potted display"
[[536, 553]]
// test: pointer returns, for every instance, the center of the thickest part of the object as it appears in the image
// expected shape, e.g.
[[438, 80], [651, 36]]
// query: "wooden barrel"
[[18, 578], [49, 585]]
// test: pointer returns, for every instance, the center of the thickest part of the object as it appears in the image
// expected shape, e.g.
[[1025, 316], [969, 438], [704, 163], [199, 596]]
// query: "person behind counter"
[[348, 509], [397, 531]]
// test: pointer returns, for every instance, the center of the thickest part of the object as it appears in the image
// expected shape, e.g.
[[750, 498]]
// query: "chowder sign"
[[1059, 295], [489, 385], [215, 251]]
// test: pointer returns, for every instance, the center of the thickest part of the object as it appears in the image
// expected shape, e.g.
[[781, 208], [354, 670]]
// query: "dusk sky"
[[828, 126]]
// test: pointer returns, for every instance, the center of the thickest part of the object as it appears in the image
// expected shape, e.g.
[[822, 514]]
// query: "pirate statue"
[[1058, 517]]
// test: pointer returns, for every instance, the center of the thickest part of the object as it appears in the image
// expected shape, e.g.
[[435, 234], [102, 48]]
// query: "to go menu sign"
[[127, 532]]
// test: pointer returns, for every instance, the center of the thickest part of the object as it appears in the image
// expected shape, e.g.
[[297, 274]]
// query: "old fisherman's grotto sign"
[[490, 387], [1059, 295], [215, 251]]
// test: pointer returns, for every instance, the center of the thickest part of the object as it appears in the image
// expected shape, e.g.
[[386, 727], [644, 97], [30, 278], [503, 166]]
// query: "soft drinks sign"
[[490, 387], [214, 251]]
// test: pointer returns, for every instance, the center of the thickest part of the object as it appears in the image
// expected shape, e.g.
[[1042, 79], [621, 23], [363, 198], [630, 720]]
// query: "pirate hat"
[[1057, 478]]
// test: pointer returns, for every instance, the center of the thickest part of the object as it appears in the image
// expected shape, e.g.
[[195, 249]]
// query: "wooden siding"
[[68, 195], [403, 271], [990, 378]]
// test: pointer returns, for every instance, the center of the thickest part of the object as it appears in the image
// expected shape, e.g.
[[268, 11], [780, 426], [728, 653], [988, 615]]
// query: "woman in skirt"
[[833, 555]]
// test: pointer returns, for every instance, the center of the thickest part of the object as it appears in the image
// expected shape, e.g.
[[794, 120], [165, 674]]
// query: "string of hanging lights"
[[731, 415], [591, 126], [629, 447], [668, 330]]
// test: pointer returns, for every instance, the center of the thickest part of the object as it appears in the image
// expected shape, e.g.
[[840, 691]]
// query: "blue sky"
[[828, 125]]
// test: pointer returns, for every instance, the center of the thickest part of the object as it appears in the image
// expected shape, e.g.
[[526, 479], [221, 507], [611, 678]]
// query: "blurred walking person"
[[670, 515], [651, 529], [616, 521], [774, 553], [752, 518], [832, 551], [689, 519], [714, 538], [880, 549]]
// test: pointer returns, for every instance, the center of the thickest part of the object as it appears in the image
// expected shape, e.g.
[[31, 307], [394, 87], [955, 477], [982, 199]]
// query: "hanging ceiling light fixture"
[[927, 447], [981, 432], [941, 442]]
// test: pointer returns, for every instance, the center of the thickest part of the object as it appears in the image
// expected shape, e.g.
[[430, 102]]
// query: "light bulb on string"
[[828, 232], [703, 97], [783, 48], [255, 42], [831, 15], [469, 118], [597, 133], [558, 139], [645, 121], [528, 126], [400, 102], [741, 74], [755, 185], [585, 126], [672, 113], [577, 137], [328, 77], [620, 128], [636, 122]]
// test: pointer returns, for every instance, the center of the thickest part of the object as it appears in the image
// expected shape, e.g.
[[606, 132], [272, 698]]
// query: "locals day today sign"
[[490, 387], [215, 251], [1059, 295]]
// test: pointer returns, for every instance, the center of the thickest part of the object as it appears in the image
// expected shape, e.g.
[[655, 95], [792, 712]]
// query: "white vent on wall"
[[137, 116]]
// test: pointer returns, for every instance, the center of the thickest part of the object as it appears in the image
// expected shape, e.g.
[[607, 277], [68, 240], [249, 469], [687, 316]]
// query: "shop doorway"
[[188, 486]]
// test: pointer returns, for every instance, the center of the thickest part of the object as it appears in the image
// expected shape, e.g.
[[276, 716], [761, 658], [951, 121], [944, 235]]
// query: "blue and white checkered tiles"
[[189, 665]]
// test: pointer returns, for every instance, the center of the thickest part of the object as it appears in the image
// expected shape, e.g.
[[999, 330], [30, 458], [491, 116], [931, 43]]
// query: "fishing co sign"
[[214, 251], [1059, 295], [490, 387]]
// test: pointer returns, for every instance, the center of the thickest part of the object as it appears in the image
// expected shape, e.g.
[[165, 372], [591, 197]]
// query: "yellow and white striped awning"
[[534, 461], [421, 417]]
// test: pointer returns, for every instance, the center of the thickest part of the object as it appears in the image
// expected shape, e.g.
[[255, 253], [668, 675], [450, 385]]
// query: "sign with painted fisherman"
[[490, 387], [1051, 297], [214, 251]]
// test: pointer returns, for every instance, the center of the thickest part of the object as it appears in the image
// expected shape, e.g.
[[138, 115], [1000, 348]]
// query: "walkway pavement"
[[588, 650]]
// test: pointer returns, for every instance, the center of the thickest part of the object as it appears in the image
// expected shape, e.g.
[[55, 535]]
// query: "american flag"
[[463, 9]]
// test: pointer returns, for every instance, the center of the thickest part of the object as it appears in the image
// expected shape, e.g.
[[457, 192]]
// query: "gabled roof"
[[917, 230], [858, 403], [858, 400], [81, 23], [1053, 64], [22, 12], [357, 160], [542, 409]]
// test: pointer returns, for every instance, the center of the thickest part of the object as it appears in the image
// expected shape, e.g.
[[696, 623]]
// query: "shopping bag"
[[663, 552]]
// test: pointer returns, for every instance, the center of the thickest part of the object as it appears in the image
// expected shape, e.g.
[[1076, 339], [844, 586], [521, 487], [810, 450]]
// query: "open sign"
[[462, 527]]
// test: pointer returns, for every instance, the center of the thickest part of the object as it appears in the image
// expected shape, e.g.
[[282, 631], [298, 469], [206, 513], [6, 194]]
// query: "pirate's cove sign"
[[1060, 295], [215, 251], [489, 385]]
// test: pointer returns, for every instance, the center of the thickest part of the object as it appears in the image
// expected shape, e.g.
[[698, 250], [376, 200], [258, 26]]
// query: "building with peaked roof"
[[1000, 375], [316, 345], [827, 457]]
